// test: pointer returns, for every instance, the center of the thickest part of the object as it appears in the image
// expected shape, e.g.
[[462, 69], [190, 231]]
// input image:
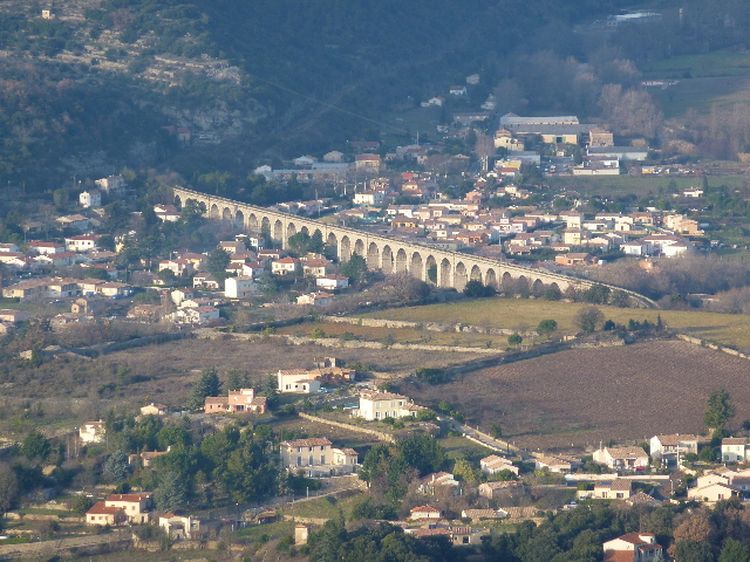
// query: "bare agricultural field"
[[520, 314], [66, 390], [582, 396]]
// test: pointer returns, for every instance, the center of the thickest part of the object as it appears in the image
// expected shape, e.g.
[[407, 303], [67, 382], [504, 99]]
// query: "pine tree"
[[208, 385]]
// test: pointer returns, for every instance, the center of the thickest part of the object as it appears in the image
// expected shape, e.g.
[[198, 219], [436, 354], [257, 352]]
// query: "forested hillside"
[[100, 84], [106, 83]]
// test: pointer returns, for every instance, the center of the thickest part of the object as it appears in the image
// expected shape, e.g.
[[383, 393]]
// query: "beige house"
[[495, 464], [491, 490], [504, 139], [622, 458], [618, 489], [317, 457], [376, 405], [714, 492], [556, 464], [154, 409]]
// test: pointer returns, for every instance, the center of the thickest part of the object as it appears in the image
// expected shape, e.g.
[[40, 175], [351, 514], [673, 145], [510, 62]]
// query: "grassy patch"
[[265, 533], [519, 314], [460, 447], [713, 64], [325, 508], [641, 186]]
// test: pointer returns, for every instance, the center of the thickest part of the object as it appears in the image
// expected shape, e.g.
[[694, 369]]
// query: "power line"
[[331, 106]]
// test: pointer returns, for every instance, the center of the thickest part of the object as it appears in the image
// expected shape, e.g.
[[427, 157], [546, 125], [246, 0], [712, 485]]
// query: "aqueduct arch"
[[453, 269]]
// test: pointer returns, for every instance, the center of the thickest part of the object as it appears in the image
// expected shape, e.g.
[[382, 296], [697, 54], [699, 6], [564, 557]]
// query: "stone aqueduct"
[[390, 255]]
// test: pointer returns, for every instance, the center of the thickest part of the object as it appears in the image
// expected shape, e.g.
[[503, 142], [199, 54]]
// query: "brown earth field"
[[581, 396]]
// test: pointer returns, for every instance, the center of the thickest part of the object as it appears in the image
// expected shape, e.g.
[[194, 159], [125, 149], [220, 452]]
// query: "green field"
[[460, 447], [325, 508], [615, 186], [708, 65], [519, 314], [719, 77]]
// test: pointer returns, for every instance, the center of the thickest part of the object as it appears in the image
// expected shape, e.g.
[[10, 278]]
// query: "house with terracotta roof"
[[483, 514], [103, 516], [243, 400], [633, 547], [421, 512], [135, 508], [285, 266], [317, 457]]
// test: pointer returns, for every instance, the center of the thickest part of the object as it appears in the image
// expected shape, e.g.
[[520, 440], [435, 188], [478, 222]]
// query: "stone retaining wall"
[[429, 326], [387, 437], [713, 346]]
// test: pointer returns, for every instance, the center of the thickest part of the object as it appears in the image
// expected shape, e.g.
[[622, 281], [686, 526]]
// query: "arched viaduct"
[[390, 255]]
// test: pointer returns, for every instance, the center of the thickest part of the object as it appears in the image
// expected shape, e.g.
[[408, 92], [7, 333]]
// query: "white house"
[[297, 381], [92, 431], [735, 449], [670, 449], [424, 512], [285, 266], [376, 405], [622, 458], [166, 213], [240, 287], [318, 298], [82, 243], [332, 282], [371, 198], [88, 199]]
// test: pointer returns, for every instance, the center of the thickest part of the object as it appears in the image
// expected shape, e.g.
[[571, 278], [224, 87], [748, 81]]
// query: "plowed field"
[[582, 396]]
